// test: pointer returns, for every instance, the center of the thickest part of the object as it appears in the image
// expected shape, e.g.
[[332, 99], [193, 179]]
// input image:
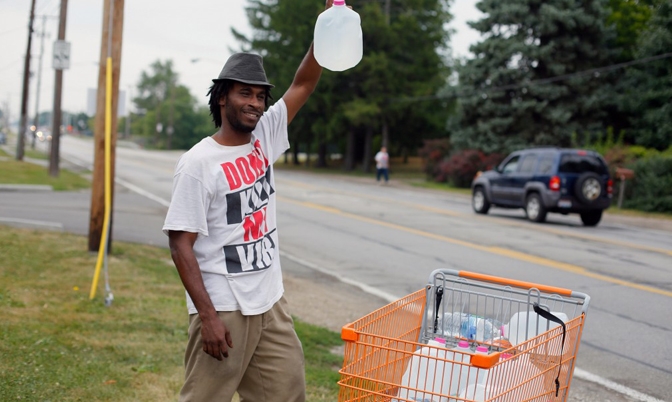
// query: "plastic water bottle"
[[525, 325], [488, 329], [458, 325], [469, 326], [338, 38]]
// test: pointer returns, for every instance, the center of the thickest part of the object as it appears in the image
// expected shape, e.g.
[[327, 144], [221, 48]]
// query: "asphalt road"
[[387, 240]]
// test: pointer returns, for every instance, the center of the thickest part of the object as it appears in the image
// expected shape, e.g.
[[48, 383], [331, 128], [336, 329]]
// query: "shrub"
[[651, 189], [462, 166], [433, 152]]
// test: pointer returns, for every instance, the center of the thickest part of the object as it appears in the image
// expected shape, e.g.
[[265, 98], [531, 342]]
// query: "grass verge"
[[57, 345], [18, 172]]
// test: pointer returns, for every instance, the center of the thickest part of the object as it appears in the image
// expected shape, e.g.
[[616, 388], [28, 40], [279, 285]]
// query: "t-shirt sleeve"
[[273, 127], [188, 206]]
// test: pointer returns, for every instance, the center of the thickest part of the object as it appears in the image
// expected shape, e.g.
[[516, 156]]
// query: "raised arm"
[[305, 80]]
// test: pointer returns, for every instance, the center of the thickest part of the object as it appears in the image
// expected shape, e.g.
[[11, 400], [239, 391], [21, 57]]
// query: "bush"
[[651, 189], [462, 166], [433, 152]]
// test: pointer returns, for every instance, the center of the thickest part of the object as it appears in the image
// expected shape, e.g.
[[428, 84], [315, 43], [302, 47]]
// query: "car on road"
[[543, 180], [3, 138]]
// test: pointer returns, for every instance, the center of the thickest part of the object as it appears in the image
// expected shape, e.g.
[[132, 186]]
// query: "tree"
[[171, 118], [509, 94], [629, 19], [626, 20], [649, 98], [402, 59]]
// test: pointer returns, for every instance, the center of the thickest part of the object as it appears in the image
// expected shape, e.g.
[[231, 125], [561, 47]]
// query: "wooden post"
[[116, 20], [56, 114], [20, 143]]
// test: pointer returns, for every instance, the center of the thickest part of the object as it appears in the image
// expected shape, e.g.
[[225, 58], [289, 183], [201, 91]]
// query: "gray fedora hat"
[[244, 67]]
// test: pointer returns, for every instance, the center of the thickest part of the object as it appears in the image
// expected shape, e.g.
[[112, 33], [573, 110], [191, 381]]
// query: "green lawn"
[[57, 345], [21, 172]]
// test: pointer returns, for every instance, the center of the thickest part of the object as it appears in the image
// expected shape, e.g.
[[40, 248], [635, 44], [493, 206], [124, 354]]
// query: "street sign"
[[61, 60]]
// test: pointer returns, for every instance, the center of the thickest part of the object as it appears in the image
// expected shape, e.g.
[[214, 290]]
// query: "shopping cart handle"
[[506, 281]]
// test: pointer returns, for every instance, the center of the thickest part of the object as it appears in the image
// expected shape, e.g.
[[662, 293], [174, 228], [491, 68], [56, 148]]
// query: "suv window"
[[528, 163], [545, 165], [575, 163], [511, 165]]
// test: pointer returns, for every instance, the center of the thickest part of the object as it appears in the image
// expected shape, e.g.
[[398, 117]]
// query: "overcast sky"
[[153, 29]]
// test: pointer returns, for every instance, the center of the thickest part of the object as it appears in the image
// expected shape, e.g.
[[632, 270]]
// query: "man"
[[223, 239], [382, 164]]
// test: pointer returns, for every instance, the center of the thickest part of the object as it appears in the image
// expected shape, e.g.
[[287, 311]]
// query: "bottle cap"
[[440, 340], [463, 344], [482, 349], [339, 2]]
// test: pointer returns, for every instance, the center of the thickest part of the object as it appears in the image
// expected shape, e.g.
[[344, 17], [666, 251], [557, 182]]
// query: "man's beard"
[[234, 121]]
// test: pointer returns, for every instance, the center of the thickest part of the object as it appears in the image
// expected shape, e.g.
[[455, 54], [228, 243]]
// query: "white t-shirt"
[[227, 195], [382, 160]]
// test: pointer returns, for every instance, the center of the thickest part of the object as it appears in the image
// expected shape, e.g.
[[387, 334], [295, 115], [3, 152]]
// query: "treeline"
[[544, 73]]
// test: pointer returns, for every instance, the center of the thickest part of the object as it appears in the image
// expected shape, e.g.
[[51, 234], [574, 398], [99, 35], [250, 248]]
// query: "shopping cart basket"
[[411, 349]]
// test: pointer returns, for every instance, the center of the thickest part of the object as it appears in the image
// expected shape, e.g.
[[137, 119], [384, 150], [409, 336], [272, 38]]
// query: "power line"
[[541, 81], [11, 30]]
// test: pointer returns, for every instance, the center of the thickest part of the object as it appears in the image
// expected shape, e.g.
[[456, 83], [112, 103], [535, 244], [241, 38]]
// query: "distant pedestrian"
[[382, 165]]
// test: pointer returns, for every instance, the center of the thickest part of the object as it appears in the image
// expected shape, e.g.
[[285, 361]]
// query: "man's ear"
[[222, 101]]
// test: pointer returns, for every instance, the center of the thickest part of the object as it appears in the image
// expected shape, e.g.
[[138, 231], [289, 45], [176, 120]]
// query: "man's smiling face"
[[244, 105]]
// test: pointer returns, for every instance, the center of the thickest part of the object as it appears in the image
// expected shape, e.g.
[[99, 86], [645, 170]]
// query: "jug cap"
[[339, 2]]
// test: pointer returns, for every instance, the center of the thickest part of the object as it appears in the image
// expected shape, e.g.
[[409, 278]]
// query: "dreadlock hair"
[[220, 89]]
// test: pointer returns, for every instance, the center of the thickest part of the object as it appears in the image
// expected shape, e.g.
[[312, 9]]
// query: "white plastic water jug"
[[474, 392], [337, 44], [473, 386], [512, 373], [525, 325], [432, 369]]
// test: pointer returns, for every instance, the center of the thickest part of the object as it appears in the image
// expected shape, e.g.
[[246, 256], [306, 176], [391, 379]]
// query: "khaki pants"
[[264, 365]]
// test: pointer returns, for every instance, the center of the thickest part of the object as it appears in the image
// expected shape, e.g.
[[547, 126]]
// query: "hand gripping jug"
[[338, 38]]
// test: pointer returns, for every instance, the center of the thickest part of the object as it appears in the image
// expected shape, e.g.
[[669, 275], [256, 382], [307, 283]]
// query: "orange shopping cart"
[[466, 337]]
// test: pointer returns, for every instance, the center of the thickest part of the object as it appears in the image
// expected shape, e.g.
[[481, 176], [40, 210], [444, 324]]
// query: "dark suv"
[[543, 180]]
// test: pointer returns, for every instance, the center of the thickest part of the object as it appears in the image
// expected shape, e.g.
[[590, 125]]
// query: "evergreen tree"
[[649, 96], [512, 93], [402, 59], [626, 20]]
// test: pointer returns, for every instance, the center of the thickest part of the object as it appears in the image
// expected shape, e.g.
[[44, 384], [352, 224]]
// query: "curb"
[[25, 187]]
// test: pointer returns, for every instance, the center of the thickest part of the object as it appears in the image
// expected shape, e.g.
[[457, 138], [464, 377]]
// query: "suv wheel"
[[535, 210], [479, 201], [591, 218], [588, 188]]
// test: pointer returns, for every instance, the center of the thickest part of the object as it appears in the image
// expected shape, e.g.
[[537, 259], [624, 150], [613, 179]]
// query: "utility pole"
[[127, 126], [36, 122], [113, 20], [171, 115], [21, 136], [58, 88]]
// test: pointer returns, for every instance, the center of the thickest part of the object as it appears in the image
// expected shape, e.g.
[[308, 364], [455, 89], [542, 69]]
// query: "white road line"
[[142, 192], [622, 389], [366, 288], [53, 225], [578, 373]]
